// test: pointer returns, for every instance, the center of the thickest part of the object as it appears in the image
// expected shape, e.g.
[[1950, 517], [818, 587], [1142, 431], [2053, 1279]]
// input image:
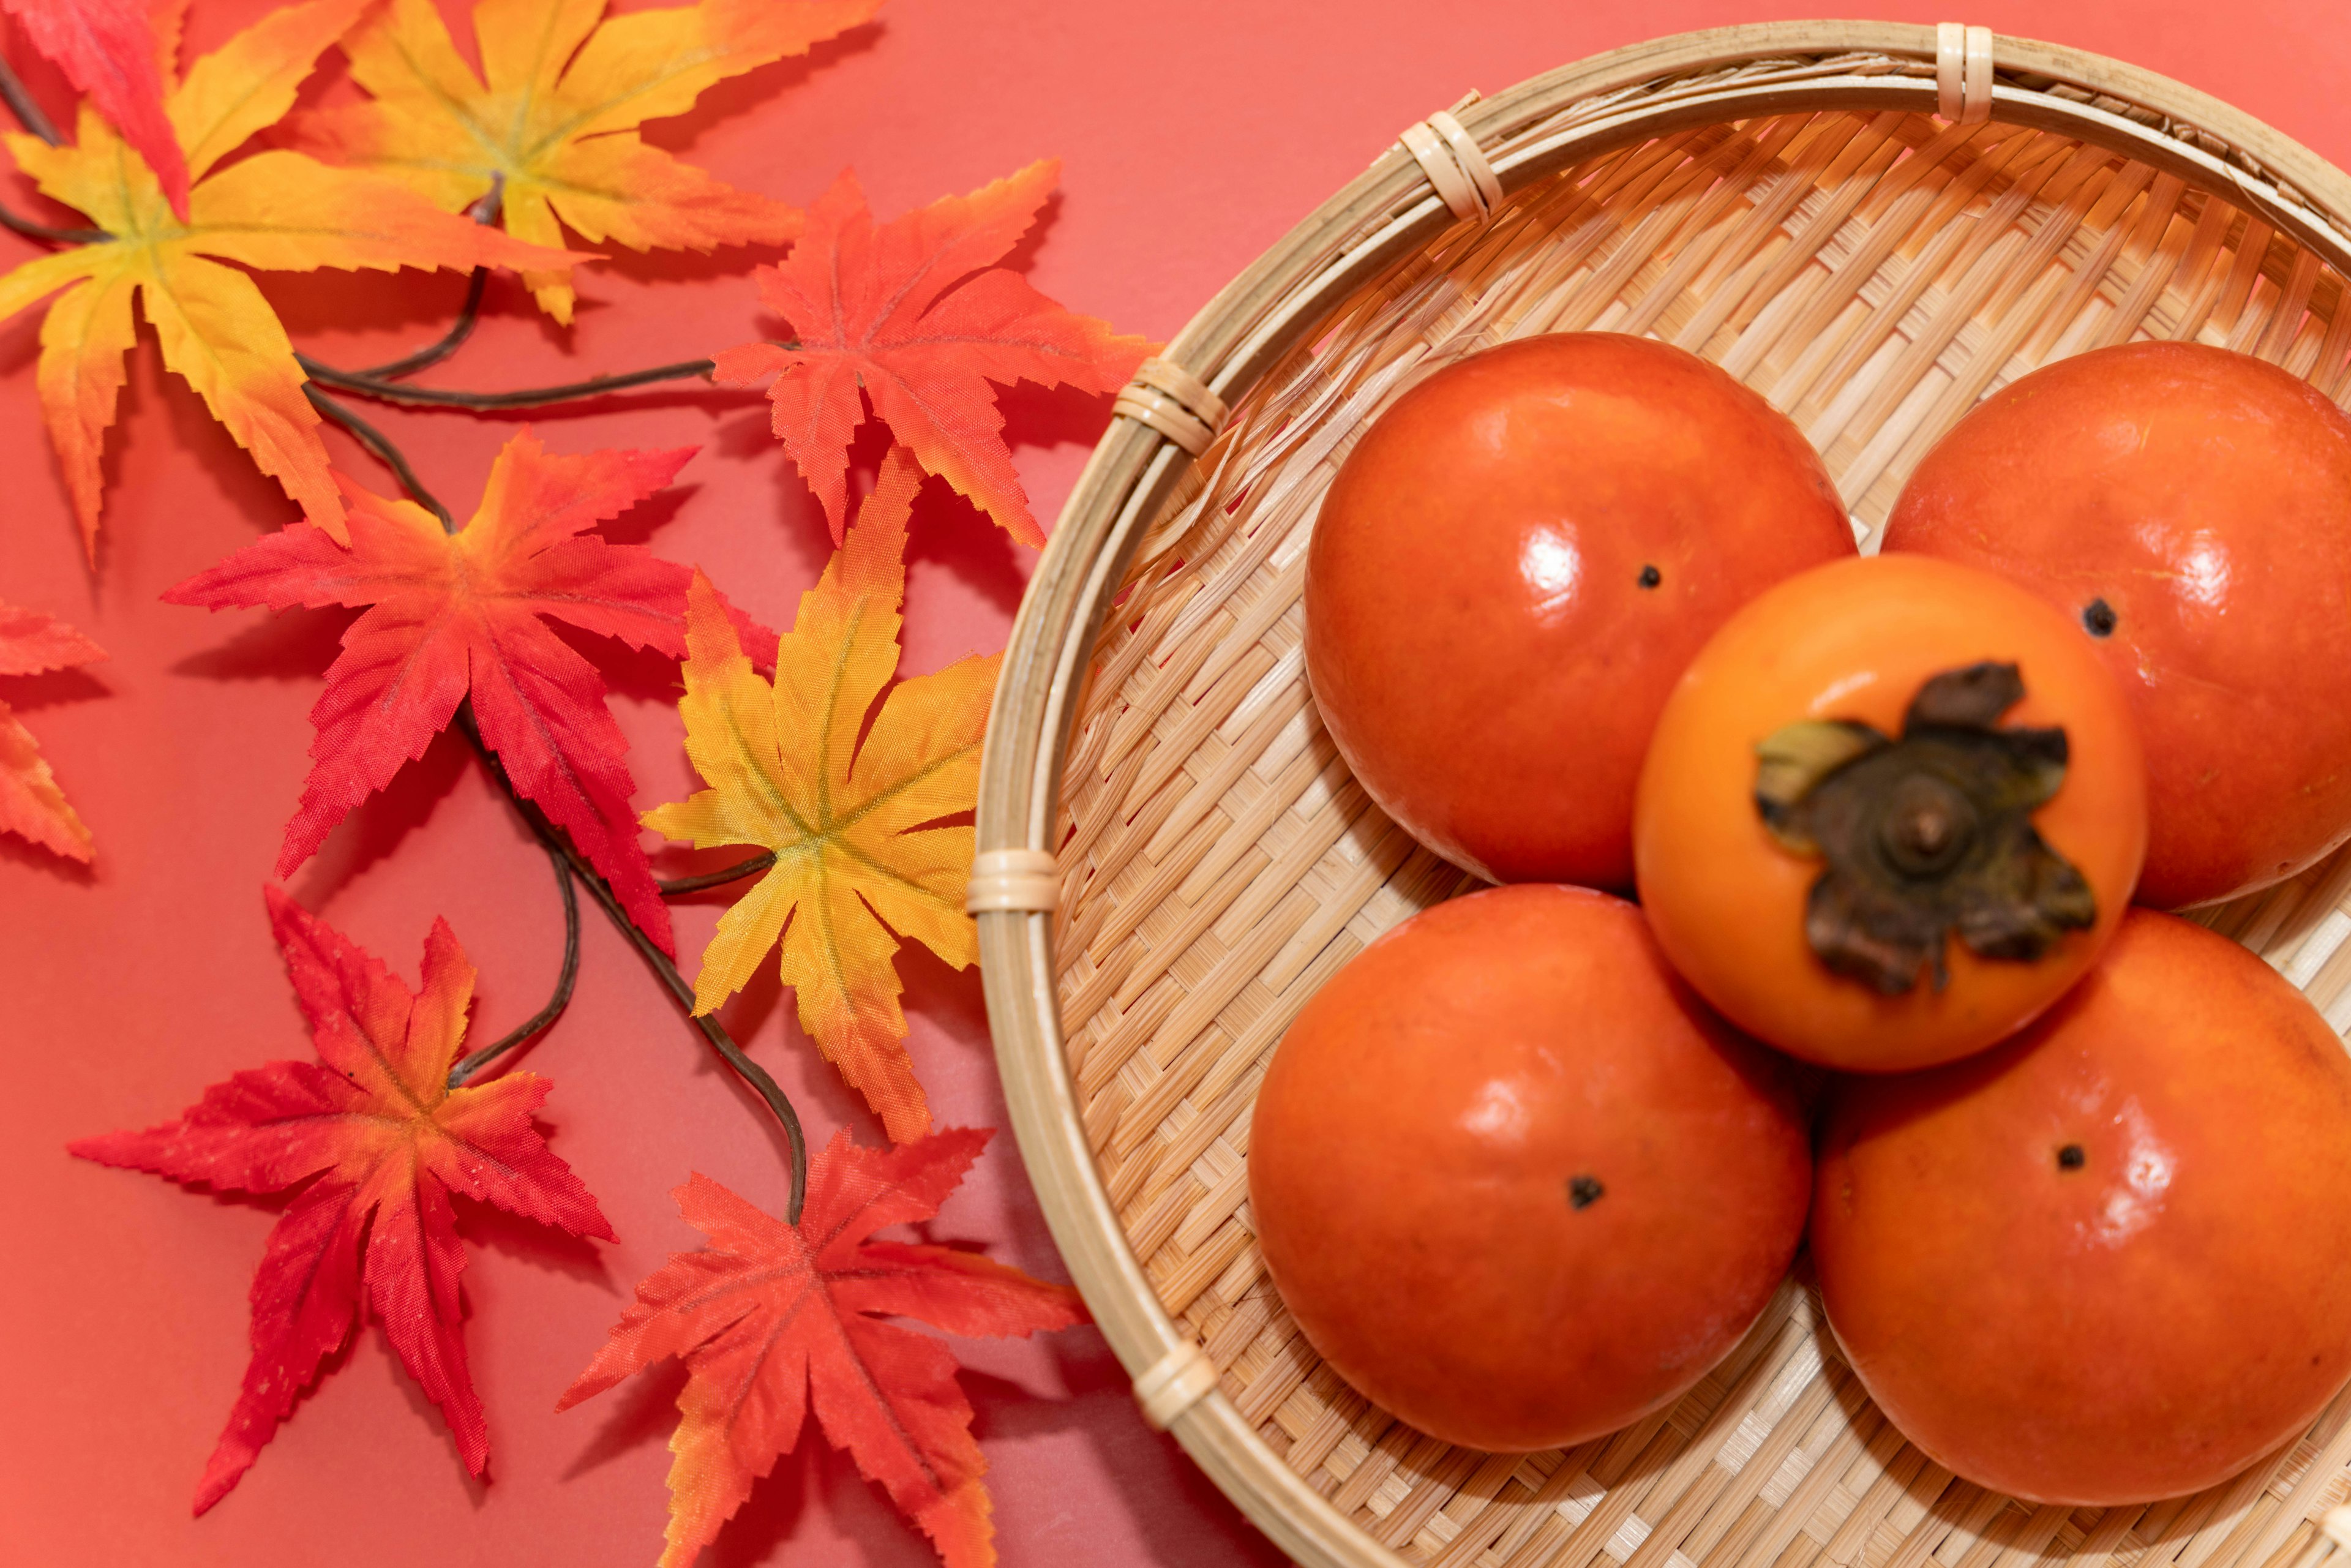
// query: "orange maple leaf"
[[902, 311], [845, 821], [770, 1314], [453, 616], [553, 126], [31, 804], [117, 52], [275, 211]]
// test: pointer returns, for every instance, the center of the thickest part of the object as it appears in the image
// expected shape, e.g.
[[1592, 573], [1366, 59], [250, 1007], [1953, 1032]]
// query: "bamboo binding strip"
[[1457, 170], [1172, 401], [1963, 73], [1010, 880], [1174, 1384], [1872, 225]]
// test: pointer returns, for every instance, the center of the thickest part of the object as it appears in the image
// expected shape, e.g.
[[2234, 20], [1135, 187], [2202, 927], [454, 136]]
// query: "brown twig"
[[380, 445], [469, 315], [384, 383], [677, 886], [750, 1072], [24, 226], [559, 845], [20, 103], [539, 1022], [376, 386]]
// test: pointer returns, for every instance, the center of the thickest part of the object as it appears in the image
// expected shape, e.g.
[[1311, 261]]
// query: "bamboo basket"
[[1874, 226]]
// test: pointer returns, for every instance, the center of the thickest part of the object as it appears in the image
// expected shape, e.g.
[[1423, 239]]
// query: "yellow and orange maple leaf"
[[31, 804], [275, 211], [550, 124], [117, 52], [846, 820]]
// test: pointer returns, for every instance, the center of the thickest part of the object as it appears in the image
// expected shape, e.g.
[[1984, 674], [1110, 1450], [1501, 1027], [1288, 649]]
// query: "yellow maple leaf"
[[551, 121], [275, 211], [846, 820]]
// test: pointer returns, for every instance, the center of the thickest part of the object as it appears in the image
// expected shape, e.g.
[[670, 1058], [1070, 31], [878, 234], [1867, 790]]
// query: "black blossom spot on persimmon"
[[1926, 835], [1651, 577], [2072, 1157], [1584, 1191], [2099, 618]]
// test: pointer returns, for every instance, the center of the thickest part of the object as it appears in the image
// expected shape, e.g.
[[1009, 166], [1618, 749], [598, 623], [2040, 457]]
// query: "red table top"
[[1194, 135]]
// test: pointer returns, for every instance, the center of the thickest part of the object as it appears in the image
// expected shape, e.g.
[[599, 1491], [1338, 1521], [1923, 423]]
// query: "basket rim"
[[1246, 329]]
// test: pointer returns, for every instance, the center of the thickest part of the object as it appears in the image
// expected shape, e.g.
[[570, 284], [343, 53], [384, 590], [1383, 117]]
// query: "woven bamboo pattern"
[[1872, 269]]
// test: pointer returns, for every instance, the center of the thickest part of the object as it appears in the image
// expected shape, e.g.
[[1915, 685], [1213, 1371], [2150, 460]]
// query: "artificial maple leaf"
[[551, 122], [897, 311], [31, 804], [845, 821], [772, 1314], [374, 1120], [453, 615], [276, 210], [114, 51]]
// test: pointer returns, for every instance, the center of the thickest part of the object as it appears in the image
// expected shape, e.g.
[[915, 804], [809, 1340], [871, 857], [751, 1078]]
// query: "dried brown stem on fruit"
[[1925, 835]]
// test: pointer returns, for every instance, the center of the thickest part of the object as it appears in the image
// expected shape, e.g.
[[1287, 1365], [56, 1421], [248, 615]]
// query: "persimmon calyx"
[[1925, 835]]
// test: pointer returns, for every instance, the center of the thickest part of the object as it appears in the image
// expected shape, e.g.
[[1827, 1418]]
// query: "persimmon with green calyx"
[[2189, 510], [1513, 565], [1516, 1183], [1890, 814], [2110, 1261]]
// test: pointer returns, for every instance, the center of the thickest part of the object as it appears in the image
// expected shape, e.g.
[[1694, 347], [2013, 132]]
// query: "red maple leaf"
[[374, 1120], [453, 615], [771, 1318], [117, 52], [31, 803], [903, 311]]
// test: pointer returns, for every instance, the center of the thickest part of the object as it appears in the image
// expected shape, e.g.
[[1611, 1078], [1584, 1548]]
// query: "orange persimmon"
[[2108, 1262], [1514, 1181], [2191, 509], [1513, 565], [1892, 811]]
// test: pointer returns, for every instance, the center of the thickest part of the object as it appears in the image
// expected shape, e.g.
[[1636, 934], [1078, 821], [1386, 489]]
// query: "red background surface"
[[1195, 134]]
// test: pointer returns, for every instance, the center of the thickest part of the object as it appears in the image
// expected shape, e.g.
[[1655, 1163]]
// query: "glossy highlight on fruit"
[[1511, 569], [1514, 1182], [2189, 510], [2110, 1261], [1843, 937]]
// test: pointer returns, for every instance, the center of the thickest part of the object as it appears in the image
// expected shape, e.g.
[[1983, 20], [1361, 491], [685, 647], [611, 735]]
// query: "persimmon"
[[2108, 1262], [2189, 509], [1891, 811], [1513, 565], [1514, 1181]]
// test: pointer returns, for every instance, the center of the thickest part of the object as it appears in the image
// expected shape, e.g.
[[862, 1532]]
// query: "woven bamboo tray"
[[1874, 226]]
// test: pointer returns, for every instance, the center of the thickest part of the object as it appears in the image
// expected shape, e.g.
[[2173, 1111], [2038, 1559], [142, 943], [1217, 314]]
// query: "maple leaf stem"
[[539, 1021], [469, 315], [677, 886], [379, 444], [28, 113], [714, 1031], [370, 385], [557, 844], [31, 230]]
